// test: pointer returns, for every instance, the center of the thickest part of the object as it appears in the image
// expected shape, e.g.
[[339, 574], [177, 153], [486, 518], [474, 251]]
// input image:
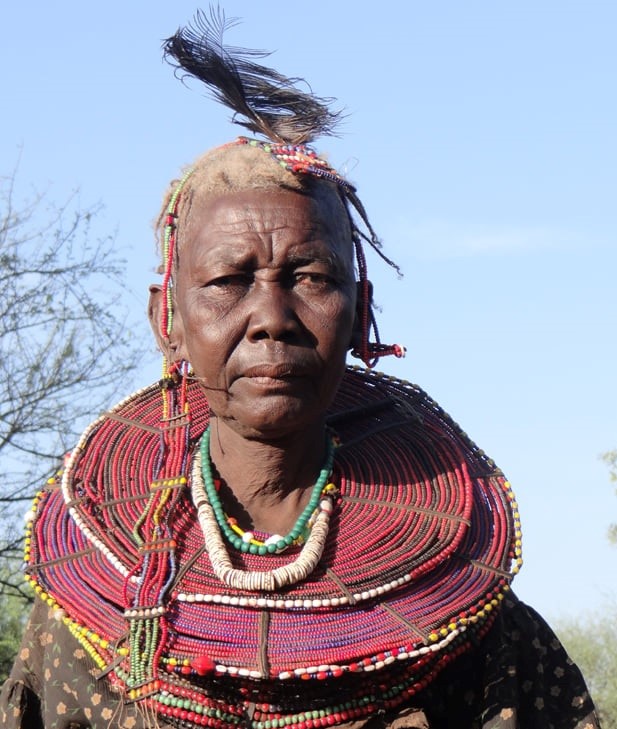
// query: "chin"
[[275, 423]]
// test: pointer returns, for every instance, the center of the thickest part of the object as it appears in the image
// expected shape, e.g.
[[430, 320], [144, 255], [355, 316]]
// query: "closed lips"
[[276, 372]]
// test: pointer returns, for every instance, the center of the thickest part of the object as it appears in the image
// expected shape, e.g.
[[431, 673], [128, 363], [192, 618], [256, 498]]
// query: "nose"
[[273, 314]]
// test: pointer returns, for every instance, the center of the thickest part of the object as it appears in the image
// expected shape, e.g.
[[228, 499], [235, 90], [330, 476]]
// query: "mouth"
[[274, 372], [276, 376]]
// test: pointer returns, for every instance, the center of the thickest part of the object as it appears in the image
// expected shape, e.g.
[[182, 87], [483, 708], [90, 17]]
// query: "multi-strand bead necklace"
[[310, 530]]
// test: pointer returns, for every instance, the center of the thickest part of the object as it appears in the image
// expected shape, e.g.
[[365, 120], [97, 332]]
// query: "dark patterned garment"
[[518, 676]]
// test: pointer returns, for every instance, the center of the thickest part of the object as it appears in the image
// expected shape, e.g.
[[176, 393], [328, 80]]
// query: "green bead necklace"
[[244, 541]]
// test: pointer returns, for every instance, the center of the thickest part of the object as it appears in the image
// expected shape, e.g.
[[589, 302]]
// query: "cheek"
[[331, 320], [209, 344]]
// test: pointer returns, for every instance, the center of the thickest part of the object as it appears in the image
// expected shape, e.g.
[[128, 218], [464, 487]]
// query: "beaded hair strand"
[[168, 255]]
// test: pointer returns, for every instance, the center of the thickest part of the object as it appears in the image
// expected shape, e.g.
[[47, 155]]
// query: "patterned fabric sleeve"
[[19, 699], [54, 685], [19, 706], [529, 680], [518, 677]]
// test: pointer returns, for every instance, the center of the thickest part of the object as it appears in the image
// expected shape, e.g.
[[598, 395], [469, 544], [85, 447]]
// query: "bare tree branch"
[[65, 349]]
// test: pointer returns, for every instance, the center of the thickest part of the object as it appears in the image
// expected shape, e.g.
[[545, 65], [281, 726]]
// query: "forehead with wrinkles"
[[292, 226]]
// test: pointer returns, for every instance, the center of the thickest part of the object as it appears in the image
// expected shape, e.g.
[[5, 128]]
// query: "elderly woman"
[[266, 539]]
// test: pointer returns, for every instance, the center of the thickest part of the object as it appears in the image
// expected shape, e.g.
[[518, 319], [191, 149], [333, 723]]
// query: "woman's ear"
[[173, 346]]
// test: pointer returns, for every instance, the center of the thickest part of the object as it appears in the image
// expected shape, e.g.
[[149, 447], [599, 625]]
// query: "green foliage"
[[591, 642], [14, 613]]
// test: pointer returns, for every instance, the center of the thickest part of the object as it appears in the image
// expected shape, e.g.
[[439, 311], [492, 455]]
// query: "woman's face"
[[265, 306]]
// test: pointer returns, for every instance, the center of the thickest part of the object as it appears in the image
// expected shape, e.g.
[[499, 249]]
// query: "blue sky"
[[481, 136]]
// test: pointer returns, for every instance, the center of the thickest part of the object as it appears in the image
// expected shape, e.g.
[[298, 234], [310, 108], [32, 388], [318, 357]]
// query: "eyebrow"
[[334, 260], [305, 256]]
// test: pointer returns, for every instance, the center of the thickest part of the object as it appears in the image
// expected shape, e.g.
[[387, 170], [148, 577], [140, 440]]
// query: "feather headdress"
[[262, 100]]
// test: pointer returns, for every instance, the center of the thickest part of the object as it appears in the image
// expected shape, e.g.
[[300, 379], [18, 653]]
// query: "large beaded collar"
[[422, 545]]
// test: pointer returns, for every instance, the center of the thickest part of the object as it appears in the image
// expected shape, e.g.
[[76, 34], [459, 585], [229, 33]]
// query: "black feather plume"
[[263, 100]]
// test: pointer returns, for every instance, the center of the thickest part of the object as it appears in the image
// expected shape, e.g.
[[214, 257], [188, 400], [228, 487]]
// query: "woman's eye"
[[312, 278], [236, 280]]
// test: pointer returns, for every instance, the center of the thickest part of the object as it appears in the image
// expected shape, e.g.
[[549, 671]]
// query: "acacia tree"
[[65, 348]]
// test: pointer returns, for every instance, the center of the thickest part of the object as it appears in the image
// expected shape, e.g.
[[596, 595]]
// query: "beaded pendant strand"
[[154, 572]]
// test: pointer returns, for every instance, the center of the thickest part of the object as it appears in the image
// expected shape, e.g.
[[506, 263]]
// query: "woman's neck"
[[266, 483]]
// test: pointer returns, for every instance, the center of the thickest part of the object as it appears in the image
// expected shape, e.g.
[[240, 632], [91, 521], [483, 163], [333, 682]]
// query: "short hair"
[[236, 168]]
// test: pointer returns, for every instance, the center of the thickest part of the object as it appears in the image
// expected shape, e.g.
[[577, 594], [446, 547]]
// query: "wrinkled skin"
[[265, 307]]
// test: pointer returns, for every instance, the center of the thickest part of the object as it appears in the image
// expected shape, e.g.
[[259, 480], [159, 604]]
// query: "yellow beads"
[[167, 483]]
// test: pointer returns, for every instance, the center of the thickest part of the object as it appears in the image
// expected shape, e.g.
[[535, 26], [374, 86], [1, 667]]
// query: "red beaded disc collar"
[[423, 543]]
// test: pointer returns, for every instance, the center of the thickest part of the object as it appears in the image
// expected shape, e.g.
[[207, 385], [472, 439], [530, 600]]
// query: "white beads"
[[273, 539], [326, 505], [266, 581]]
